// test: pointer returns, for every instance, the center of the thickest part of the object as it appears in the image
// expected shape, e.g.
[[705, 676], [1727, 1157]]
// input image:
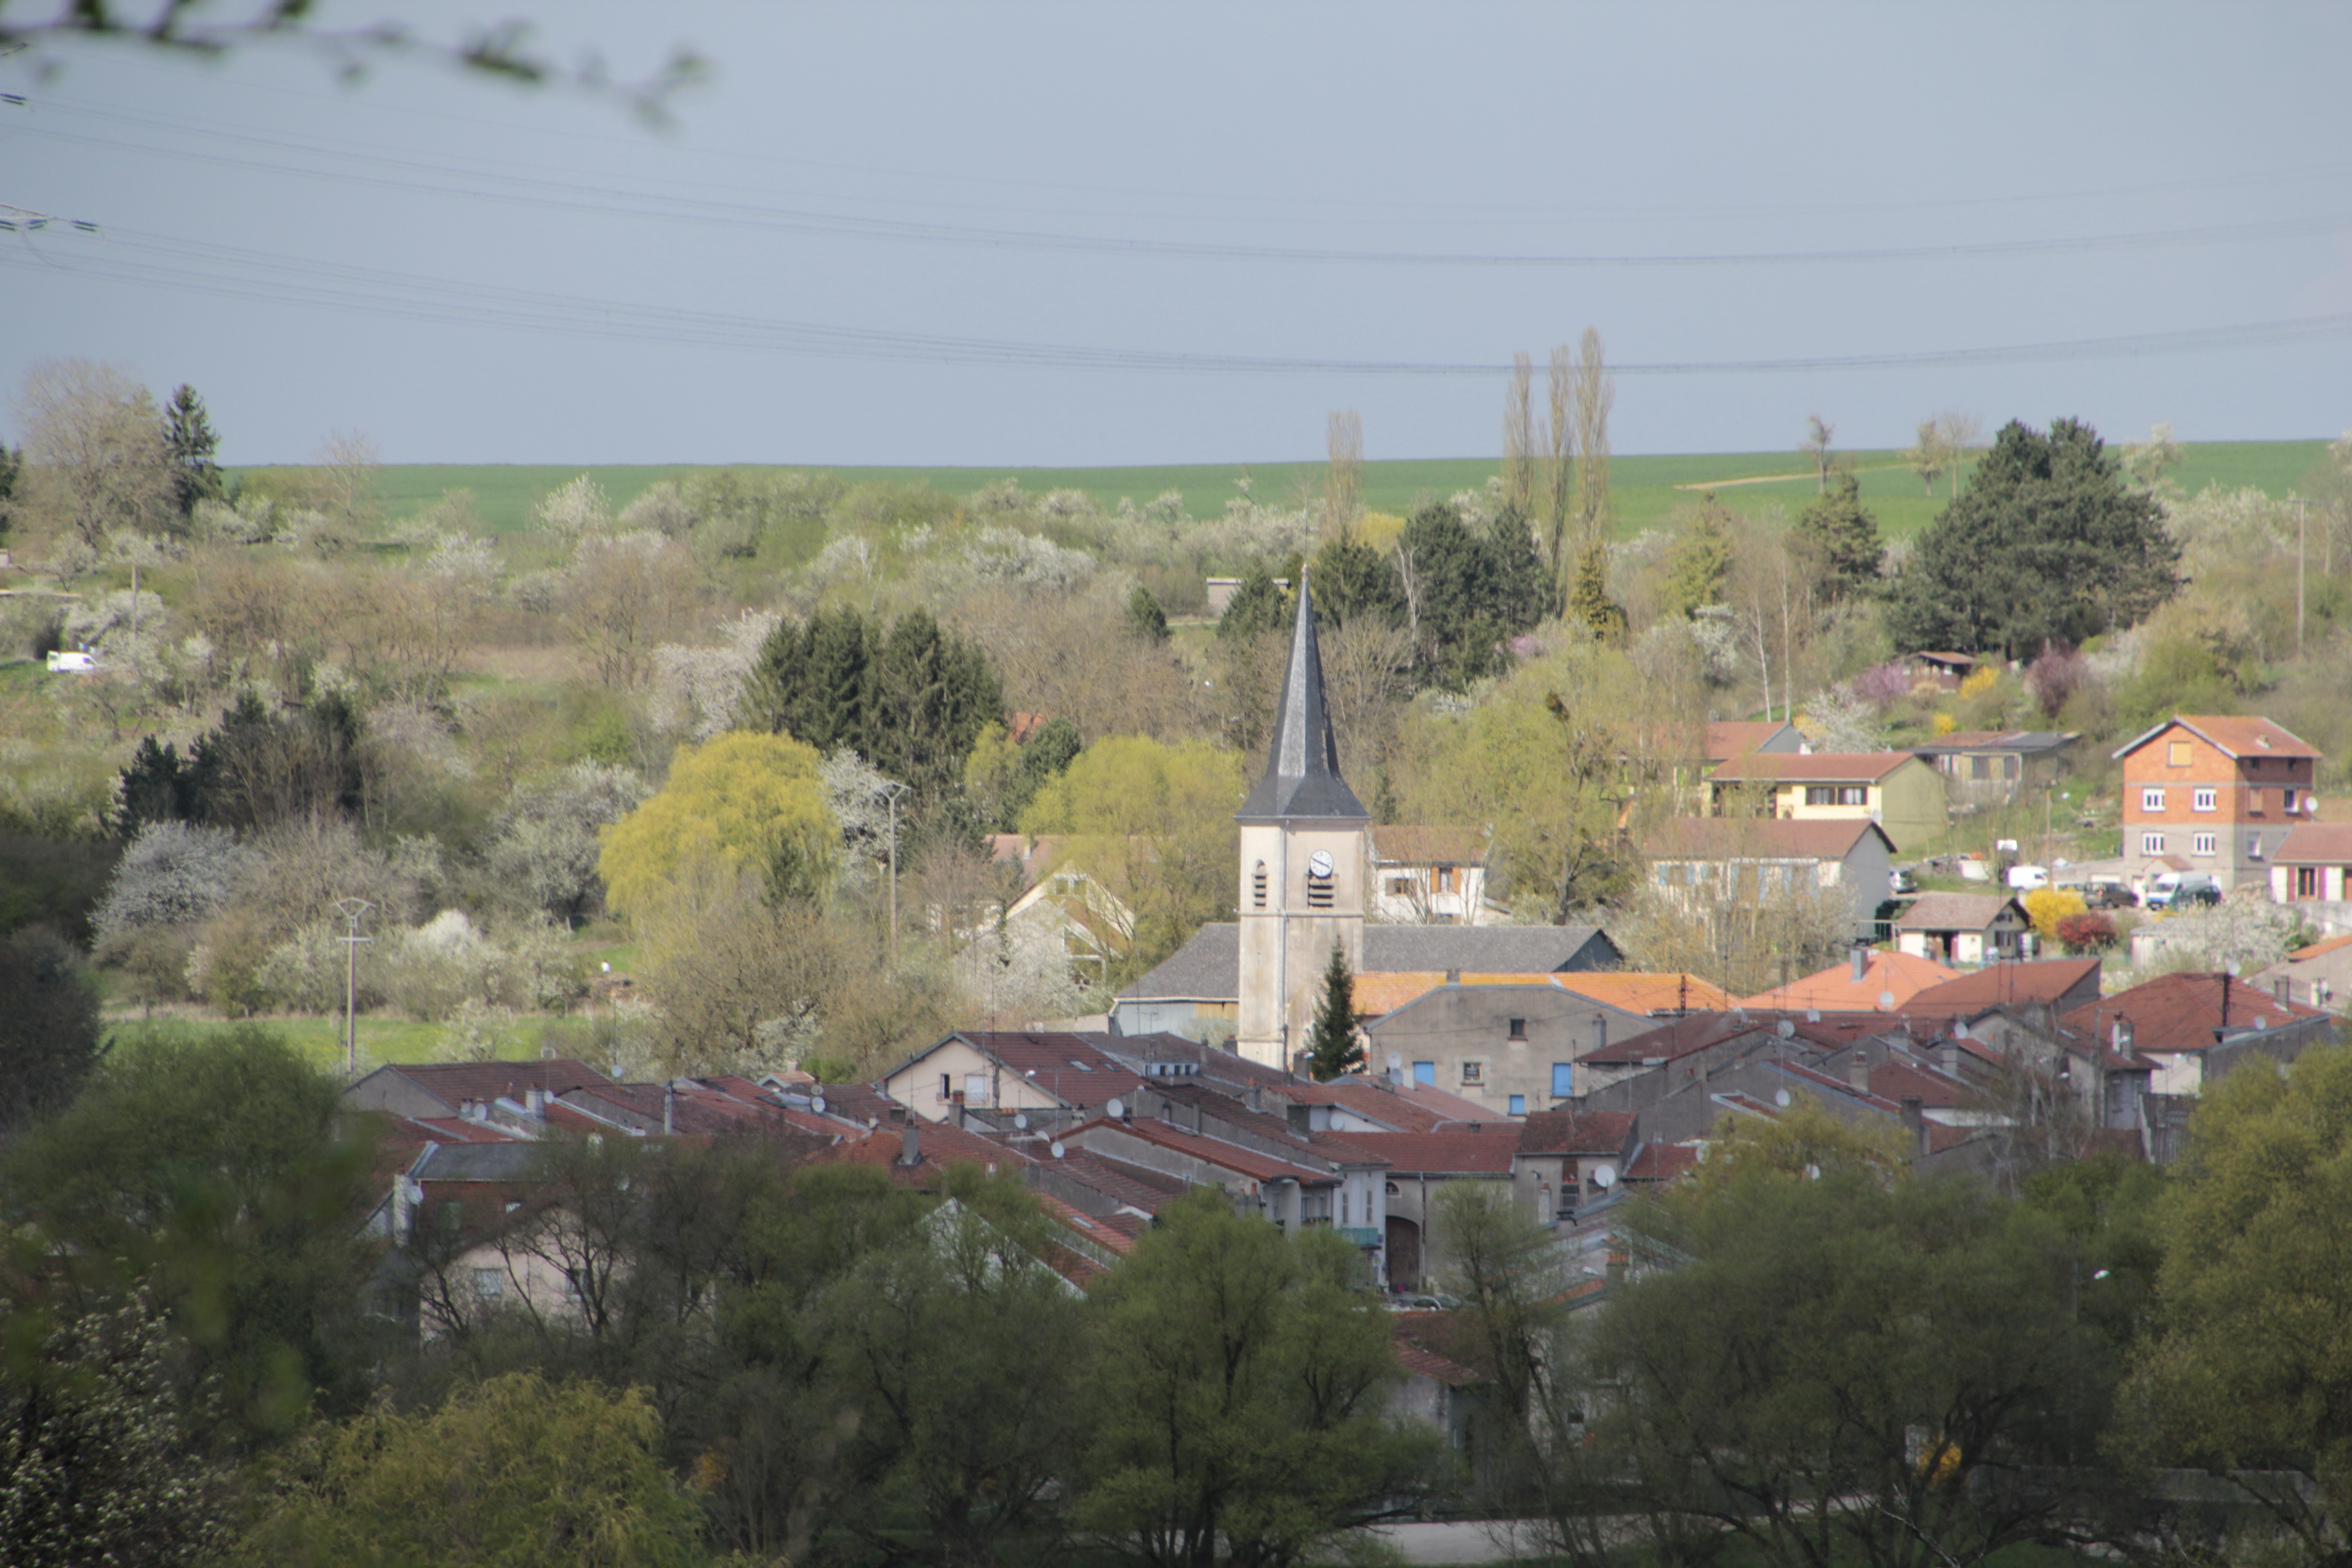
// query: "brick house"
[[2218, 794]]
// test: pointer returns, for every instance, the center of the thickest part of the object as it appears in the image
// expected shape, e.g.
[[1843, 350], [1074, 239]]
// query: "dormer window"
[[1257, 886]]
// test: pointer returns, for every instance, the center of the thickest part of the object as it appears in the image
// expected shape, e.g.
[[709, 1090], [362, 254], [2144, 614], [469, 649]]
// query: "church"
[[1304, 875]]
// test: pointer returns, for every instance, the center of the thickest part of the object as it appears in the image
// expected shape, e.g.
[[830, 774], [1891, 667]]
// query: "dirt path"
[[1783, 478]]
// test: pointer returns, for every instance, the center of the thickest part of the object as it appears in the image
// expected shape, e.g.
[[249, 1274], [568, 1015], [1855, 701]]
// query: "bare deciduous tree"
[[624, 595], [1957, 434], [1519, 438], [349, 465], [1343, 491], [1559, 460], [1816, 445], [1594, 396], [1927, 454], [94, 450]]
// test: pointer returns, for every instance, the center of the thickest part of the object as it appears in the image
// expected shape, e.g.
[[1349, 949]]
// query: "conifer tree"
[[189, 437], [1145, 618], [1588, 600], [1699, 570], [1846, 536], [1331, 1047]]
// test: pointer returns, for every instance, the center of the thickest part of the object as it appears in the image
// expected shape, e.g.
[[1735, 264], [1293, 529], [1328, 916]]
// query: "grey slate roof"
[[1209, 967], [1302, 768]]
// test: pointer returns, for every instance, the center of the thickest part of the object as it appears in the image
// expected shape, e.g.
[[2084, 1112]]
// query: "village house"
[[2319, 975], [1430, 876], [2216, 795], [2313, 864], [1701, 859], [1963, 928], [1984, 768], [1894, 789]]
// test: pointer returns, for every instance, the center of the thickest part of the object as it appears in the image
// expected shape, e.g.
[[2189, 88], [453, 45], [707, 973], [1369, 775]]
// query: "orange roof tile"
[[1833, 990], [2239, 735], [1764, 766]]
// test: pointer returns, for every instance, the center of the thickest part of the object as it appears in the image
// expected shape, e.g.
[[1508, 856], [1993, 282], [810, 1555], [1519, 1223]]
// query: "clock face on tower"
[[1320, 864]]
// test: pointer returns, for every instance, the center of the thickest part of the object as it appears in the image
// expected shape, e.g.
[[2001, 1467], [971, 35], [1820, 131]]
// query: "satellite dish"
[[1115, 1108], [817, 1105], [1058, 1148], [1813, 1015], [1785, 1029], [1780, 1098], [1887, 1001], [1021, 1120], [1604, 1177]]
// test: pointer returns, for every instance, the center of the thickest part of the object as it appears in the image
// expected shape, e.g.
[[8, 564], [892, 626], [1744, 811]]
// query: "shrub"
[[172, 873], [2047, 906], [2087, 932]]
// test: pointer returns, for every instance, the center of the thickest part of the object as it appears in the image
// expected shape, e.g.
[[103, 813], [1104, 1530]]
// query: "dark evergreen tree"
[[928, 695], [1588, 600], [12, 467], [1470, 592], [188, 433], [155, 788], [258, 767], [1145, 619], [1699, 570], [2048, 544], [1352, 580], [1047, 755], [810, 682], [1259, 604], [1331, 1046], [1843, 538], [48, 1025]]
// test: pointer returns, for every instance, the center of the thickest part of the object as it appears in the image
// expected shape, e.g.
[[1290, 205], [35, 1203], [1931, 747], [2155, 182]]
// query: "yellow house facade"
[[1894, 789]]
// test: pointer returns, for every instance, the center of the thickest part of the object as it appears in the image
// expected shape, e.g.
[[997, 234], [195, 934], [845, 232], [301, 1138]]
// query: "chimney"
[[534, 1101], [1454, 977], [956, 1107], [1915, 1121], [1857, 1073], [1861, 957], [911, 1145], [1601, 1031], [669, 1106], [1951, 1054]]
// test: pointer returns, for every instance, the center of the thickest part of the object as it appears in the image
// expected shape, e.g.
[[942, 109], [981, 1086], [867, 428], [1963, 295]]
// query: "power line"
[[227, 271], [608, 201]]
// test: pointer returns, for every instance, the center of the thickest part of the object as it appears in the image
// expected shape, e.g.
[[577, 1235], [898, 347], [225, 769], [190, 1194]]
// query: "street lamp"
[[352, 910]]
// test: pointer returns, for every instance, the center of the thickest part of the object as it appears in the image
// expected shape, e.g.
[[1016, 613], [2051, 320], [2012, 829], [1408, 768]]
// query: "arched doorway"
[[1405, 1254]]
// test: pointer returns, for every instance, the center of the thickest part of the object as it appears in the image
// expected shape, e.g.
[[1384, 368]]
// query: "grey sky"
[[856, 242]]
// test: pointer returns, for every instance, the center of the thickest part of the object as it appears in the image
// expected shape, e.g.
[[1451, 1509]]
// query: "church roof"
[[1302, 770]]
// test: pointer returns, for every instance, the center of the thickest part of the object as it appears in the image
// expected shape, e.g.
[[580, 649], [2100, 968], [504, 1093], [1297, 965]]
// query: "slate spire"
[[1302, 778]]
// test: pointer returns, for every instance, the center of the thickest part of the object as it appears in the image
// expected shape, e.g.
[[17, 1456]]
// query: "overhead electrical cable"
[[230, 271], [612, 202]]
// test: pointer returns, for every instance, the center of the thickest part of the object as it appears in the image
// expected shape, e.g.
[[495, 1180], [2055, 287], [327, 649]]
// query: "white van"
[[2179, 890], [2024, 878]]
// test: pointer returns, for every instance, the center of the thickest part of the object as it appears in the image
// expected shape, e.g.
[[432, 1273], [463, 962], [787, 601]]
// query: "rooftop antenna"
[[352, 910]]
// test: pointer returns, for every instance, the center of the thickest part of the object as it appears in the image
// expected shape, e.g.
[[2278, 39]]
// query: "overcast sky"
[[1013, 234]]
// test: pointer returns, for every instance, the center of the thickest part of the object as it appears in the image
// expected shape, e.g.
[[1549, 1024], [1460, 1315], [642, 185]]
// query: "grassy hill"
[[1647, 489]]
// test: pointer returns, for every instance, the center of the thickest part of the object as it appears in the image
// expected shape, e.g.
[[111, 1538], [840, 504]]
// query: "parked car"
[[1902, 880], [2178, 890], [2110, 895], [2025, 879]]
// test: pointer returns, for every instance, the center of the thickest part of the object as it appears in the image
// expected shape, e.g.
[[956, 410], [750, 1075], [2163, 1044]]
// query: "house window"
[[2152, 843], [450, 1215], [2206, 800], [1819, 795], [2151, 800], [947, 1087], [2306, 881], [2253, 845], [2201, 844], [1257, 886], [1563, 1080], [2286, 799], [2176, 754], [487, 1285], [1518, 1029], [2011, 767], [1425, 1072], [1980, 767], [1473, 1072], [1400, 887], [1853, 795], [1519, 1105], [1445, 878], [975, 1088]]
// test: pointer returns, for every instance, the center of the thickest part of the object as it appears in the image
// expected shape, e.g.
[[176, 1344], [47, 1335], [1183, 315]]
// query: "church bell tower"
[[1303, 863]]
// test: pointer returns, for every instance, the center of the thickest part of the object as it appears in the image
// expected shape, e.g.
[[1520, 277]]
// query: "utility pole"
[[894, 791], [352, 910]]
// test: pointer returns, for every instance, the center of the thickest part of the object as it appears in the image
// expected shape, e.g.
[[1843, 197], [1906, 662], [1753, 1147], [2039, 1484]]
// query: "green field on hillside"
[[1647, 489]]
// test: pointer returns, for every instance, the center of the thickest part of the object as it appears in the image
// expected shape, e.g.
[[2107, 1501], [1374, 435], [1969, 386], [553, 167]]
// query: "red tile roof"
[[1728, 738], [2315, 843], [937, 1146], [1758, 838], [1406, 1333], [1661, 1162], [453, 1082], [1834, 989], [1402, 844], [2047, 981], [1898, 1082], [1452, 1153], [2237, 735], [1209, 1150], [1116, 1179], [1565, 1132], [2180, 1012], [1956, 912]]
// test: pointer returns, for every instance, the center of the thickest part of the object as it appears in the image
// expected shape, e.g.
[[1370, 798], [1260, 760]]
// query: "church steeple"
[[1302, 780]]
